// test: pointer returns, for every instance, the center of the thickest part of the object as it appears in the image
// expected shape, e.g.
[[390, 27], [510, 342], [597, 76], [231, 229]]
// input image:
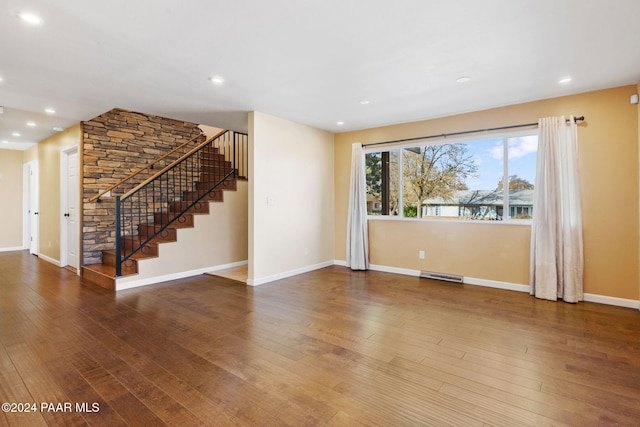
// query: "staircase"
[[152, 213]]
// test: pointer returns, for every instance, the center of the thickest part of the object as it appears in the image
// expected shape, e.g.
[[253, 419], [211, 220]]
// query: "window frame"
[[504, 135]]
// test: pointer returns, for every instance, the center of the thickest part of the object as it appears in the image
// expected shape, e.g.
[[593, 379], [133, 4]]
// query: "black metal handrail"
[[181, 186]]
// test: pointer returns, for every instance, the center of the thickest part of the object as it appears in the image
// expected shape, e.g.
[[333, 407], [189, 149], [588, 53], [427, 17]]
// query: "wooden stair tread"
[[137, 256]]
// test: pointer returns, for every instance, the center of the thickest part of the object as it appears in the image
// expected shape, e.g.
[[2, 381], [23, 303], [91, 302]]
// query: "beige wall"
[[11, 196], [49, 181], [608, 141], [291, 165]]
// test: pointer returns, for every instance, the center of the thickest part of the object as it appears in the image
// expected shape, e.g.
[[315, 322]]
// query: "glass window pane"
[[382, 182], [455, 181], [522, 175]]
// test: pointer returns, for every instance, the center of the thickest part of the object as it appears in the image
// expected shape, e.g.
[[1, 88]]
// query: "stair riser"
[[198, 208], [128, 267], [167, 235], [185, 221], [215, 196], [150, 249], [228, 184], [214, 159]]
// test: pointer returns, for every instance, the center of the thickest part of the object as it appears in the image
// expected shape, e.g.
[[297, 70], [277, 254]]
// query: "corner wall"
[[291, 199], [608, 161], [50, 192]]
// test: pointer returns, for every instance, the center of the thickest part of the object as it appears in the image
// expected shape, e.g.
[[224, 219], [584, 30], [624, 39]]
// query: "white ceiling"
[[307, 61]]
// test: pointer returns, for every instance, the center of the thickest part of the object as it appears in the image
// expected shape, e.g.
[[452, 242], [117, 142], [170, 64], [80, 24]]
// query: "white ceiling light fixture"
[[463, 79], [565, 80], [49, 111], [30, 18], [340, 123], [16, 134], [216, 80], [31, 124], [5, 141], [58, 129], [365, 102]]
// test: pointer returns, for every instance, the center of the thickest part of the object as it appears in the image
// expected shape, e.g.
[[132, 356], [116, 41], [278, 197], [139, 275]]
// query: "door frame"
[[29, 193], [64, 200]]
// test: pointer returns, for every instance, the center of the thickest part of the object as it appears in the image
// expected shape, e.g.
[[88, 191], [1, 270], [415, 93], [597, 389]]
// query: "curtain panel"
[[556, 269], [357, 229]]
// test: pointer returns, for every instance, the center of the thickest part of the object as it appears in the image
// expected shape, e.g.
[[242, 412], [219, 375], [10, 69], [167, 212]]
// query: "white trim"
[[395, 270], [496, 284], [49, 259], [284, 275], [620, 302], [600, 299], [526, 222], [128, 282], [15, 248], [26, 219], [64, 201], [340, 262], [230, 265]]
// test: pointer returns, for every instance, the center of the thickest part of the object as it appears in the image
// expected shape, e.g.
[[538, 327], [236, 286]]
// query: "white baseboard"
[[263, 280], [49, 259], [395, 270], [620, 302], [225, 266], [496, 284], [131, 282], [601, 299], [13, 249]]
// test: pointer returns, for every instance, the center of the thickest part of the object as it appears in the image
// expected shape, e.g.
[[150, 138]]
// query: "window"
[[489, 179]]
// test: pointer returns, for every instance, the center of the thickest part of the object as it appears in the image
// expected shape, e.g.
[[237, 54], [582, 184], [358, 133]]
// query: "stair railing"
[[170, 193], [150, 166]]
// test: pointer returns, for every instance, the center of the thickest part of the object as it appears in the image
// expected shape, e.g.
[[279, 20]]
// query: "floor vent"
[[441, 276]]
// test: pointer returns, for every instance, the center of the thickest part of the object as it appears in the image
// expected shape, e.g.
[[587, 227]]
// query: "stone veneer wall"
[[116, 144]]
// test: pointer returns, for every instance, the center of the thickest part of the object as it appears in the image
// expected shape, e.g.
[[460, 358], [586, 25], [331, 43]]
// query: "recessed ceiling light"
[[340, 123], [31, 124], [464, 79], [365, 102], [30, 18], [49, 111], [5, 142], [216, 80], [16, 134], [1, 78], [58, 129], [565, 80]]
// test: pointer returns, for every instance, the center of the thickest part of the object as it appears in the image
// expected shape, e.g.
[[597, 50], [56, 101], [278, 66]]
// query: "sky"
[[488, 155]]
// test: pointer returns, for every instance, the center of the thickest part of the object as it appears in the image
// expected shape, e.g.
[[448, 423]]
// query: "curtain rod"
[[444, 135]]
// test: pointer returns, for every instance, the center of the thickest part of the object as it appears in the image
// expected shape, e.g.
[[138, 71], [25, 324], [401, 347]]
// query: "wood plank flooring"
[[328, 348]]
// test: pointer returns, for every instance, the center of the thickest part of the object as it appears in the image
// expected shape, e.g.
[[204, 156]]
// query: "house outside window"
[[488, 179]]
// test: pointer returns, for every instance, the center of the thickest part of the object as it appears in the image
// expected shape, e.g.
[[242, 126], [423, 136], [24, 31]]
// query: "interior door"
[[32, 212], [72, 209]]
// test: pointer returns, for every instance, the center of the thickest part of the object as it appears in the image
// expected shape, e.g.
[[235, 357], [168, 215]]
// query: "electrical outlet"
[[421, 254]]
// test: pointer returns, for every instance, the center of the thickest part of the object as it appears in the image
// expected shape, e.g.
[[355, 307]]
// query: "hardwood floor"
[[331, 347]]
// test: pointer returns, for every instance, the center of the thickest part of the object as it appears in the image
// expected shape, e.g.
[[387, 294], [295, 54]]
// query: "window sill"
[[521, 222]]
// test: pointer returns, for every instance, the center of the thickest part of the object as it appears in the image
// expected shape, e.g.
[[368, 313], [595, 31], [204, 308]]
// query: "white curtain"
[[556, 232], [357, 231]]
